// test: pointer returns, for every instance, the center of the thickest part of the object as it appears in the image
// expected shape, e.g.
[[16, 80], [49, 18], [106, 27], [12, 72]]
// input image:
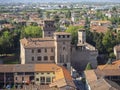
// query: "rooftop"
[[90, 75], [62, 78], [62, 33], [104, 84], [99, 29], [37, 42]]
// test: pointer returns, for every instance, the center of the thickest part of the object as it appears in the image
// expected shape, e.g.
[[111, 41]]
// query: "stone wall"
[[80, 58]]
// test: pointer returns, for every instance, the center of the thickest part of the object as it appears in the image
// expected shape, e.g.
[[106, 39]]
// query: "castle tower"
[[48, 28], [81, 37], [63, 51]]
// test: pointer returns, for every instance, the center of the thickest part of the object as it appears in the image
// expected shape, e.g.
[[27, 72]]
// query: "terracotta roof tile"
[[103, 84], [63, 78], [37, 42], [90, 75], [46, 67], [99, 29], [62, 33]]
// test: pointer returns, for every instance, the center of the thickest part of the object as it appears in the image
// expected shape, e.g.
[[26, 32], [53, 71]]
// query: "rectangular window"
[[32, 58], [66, 58], [63, 36], [59, 36], [39, 50], [45, 57], [42, 79], [52, 49], [39, 58], [32, 51], [42, 73], [37, 79], [15, 78], [68, 36], [22, 78], [51, 57], [48, 79], [29, 73], [45, 50], [20, 73]]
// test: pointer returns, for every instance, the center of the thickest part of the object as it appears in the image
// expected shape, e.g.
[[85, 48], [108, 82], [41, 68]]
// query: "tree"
[[109, 41], [68, 14], [56, 18], [40, 11], [114, 9], [88, 67], [89, 37], [31, 31], [6, 43], [48, 14], [99, 45], [74, 32]]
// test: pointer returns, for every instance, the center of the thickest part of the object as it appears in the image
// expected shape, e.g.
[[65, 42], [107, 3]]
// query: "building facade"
[[55, 47], [83, 53], [36, 74], [48, 28]]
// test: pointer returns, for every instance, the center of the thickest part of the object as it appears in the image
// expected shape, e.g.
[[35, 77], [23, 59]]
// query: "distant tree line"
[[9, 40]]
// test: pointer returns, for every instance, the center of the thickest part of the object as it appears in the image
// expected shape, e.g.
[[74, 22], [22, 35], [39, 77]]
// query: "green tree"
[[47, 14], [68, 14], [40, 12], [89, 37], [109, 41], [56, 18], [99, 45], [88, 67], [31, 31], [74, 32], [6, 42]]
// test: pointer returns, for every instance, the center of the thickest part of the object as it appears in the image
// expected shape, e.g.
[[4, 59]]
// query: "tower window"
[[15, 78], [45, 50], [68, 36], [60, 58], [39, 50], [51, 57], [63, 48], [39, 58], [51, 49], [63, 36], [58, 36], [32, 58], [45, 57], [22, 78], [66, 58], [32, 51]]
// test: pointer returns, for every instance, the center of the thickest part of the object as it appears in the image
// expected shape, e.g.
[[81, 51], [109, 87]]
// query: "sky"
[[59, 0]]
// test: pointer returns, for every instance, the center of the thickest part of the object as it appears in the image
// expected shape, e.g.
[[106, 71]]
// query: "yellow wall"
[[39, 74]]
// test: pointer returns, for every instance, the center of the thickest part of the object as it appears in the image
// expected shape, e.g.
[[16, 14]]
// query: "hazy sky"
[[59, 0]]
